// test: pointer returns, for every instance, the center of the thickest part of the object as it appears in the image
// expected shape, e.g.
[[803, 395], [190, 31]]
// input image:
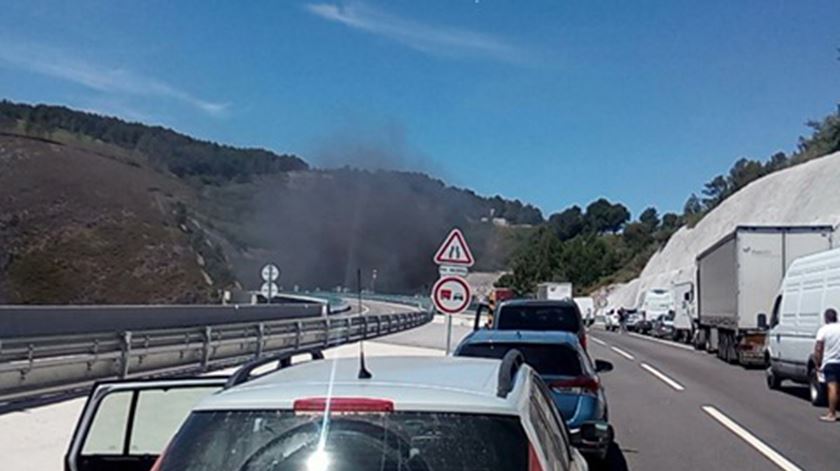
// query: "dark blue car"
[[564, 366]]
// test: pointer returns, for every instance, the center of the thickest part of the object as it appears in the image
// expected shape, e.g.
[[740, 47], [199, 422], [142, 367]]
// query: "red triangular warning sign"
[[454, 250]]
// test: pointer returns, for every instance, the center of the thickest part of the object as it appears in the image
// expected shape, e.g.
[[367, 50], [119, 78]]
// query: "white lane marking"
[[751, 439], [662, 341], [670, 382], [623, 353], [597, 340]]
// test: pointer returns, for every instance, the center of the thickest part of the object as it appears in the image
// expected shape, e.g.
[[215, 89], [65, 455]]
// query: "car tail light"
[[343, 404], [582, 338], [579, 385], [533, 459]]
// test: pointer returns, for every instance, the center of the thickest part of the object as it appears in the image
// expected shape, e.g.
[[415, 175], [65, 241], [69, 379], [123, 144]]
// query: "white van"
[[655, 302], [810, 286]]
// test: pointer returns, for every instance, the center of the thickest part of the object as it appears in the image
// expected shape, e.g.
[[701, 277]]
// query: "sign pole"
[[451, 294], [448, 333]]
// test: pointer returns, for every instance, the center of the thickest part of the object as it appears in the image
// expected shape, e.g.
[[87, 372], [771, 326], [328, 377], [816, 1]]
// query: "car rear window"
[[552, 360], [560, 317], [394, 441]]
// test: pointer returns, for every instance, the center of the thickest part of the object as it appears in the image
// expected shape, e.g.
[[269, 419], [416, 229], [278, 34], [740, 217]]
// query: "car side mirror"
[[595, 433], [761, 320], [602, 366]]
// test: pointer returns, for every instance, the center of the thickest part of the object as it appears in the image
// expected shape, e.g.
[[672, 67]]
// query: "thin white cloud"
[[430, 39], [59, 64]]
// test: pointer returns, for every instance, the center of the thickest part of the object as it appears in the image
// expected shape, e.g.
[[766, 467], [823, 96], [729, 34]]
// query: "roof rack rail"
[[284, 360], [511, 363]]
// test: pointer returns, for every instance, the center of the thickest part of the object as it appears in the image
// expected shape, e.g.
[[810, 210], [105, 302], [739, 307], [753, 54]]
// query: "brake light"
[[579, 385], [582, 338], [343, 404], [533, 459]]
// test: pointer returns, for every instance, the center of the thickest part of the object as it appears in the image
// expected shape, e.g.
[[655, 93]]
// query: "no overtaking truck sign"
[[451, 294]]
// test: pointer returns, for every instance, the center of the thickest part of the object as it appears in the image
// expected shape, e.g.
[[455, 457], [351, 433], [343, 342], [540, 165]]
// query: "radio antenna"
[[363, 372]]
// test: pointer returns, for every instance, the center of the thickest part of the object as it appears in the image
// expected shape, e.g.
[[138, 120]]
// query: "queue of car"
[[522, 394], [552, 337]]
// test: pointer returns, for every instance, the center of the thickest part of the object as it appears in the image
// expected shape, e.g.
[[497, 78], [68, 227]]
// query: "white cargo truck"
[[685, 312], [737, 280], [554, 290]]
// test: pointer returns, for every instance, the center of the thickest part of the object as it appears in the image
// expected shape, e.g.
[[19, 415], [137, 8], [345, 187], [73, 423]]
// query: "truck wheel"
[[699, 340], [732, 350], [702, 343], [816, 389], [774, 382], [723, 347]]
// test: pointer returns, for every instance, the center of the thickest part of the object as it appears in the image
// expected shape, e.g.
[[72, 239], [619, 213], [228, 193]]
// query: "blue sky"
[[552, 102]]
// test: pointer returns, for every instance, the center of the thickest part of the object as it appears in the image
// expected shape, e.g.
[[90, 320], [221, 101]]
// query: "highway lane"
[[781, 424], [660, 427], [432, 335]]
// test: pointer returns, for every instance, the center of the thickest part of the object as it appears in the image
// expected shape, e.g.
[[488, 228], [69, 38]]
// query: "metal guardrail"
[[423, 302], [40, 365], [336, 303], [36, 321]]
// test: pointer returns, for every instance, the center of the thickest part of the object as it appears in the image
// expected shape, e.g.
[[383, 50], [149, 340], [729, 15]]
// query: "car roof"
[[441, 384], [565, 302], [524, 337]]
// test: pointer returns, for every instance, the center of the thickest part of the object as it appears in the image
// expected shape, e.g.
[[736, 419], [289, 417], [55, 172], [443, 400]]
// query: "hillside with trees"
[[224, 211], [228, 210], [182, 155], [601, 245]]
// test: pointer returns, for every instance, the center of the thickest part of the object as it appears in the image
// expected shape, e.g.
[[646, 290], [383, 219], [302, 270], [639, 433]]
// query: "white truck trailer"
[[554, 290], [737, 280]]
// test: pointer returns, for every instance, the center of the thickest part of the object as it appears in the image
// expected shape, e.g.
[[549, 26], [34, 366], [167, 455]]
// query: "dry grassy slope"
[[86, 223]]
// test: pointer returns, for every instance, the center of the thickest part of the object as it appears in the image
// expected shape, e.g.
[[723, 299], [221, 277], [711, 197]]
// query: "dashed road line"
[[665, 379], [623, 353], [664, 342], [598, 341], [751, 439]]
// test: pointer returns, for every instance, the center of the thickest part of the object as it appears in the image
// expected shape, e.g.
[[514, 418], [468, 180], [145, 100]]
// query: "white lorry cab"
[[810, 286], [685, 312], [654, 303]]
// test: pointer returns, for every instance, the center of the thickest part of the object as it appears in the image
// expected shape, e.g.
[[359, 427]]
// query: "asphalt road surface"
[[724, 414], [676, 408]]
